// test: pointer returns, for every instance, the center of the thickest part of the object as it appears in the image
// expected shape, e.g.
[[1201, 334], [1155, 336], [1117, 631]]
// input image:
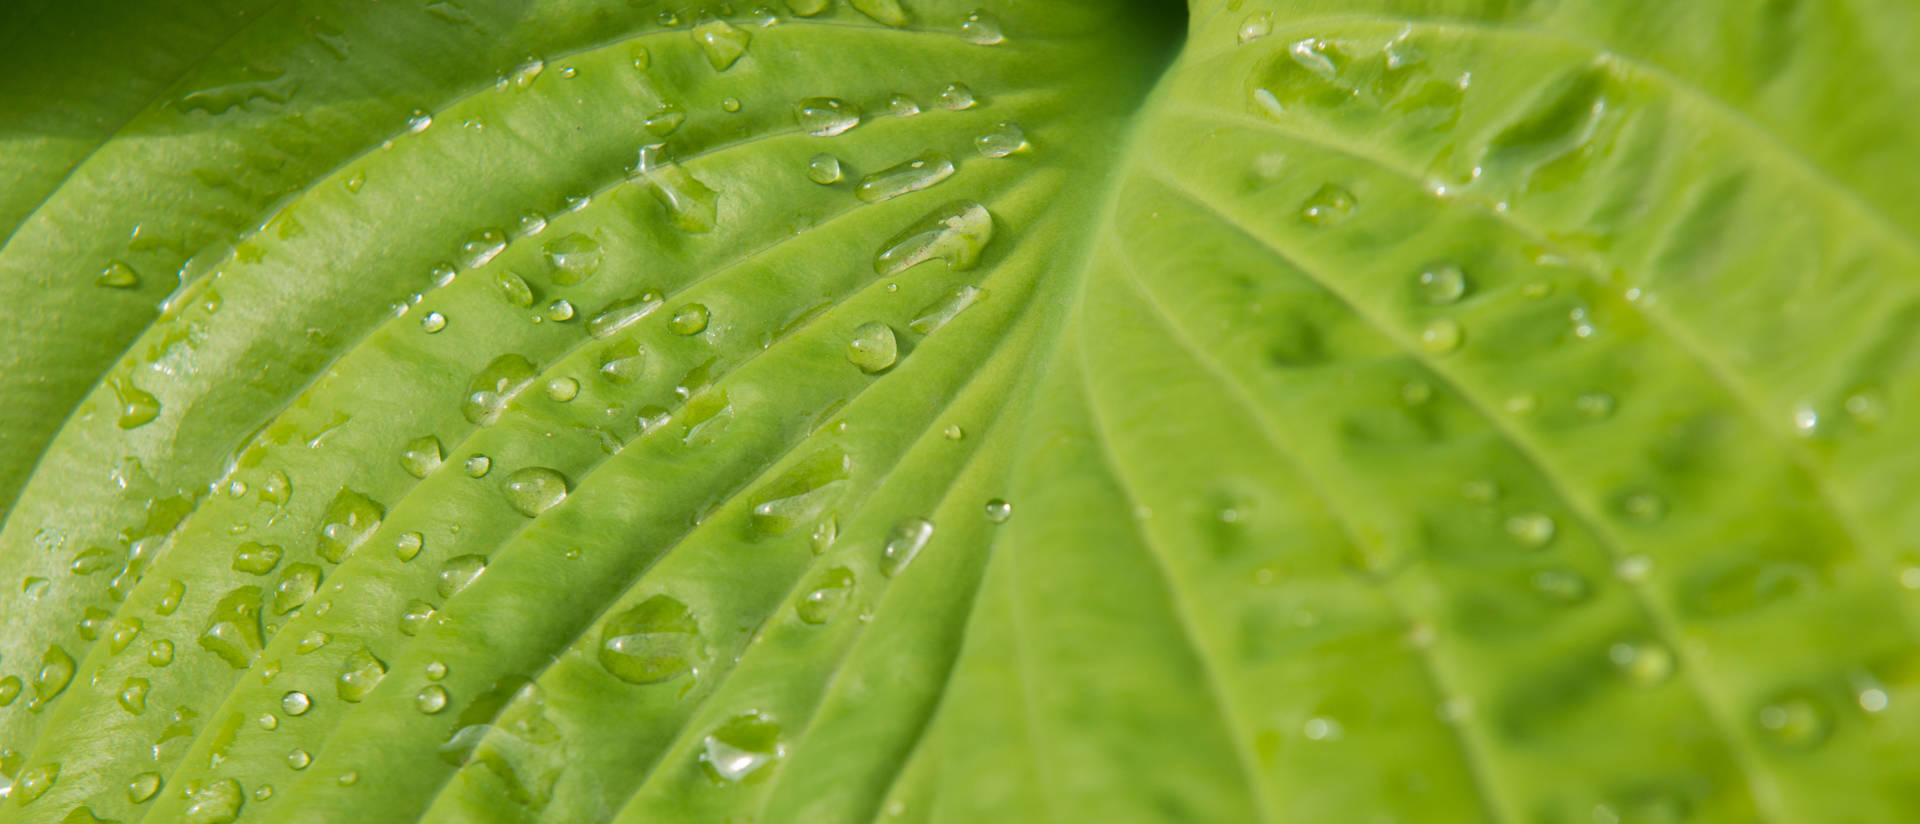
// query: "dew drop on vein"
[[827, 116], [904, 544], [956, 233], [739, 749]]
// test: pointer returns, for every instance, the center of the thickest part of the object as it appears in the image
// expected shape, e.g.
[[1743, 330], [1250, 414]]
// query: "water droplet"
[[921, 172], [233, 632], [560, 311], [1004, 139], [1873, 699], [574, 258], [359, 674], [956, 96], [562, 389], [906, 541], [1595, 405], [170, 600], [431, 699], [998, 511], [730, 105], [421, 456], [160, 653], [478, 466], [956, 233], [143, 787], [1327, 206], [277, 490], [621, 314], [535, 489], [1441, 335], [1645, 507], [458, 573], [884, 12], [355, 181], [312, 642], [295, 703], [1561, 586], [297, 586], [828, 595], [953, 432], [665, 120], [117, 275], [824, 169], [1645, 663], [138, 407], [1805, 421], [722, 42], [1321, 728], [133, 695], [694, 206], [690, 319], [873, 348], [739, 749], [900, 105], [1442, 283], [531, 223], [419, 122], [982, 29], [298, 760], [348, 522], [35, 781], [1795, 720], [650, 642], [827, 116], [1533, 530], [496, 385], [10, 688], [436, 670], [480, 247], [1256, 26], [432, 322], [255, 558], [348, 778], [215, 802], [513, 288], [415, 618]]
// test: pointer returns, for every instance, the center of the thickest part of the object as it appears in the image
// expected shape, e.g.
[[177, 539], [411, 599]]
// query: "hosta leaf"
[[587, 410]]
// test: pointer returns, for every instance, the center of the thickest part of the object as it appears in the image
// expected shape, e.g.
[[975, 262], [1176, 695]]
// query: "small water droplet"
[[421, 456], [957, 97], [138, 407], [458, 573], [1328, 206], [1321, 728], [160, 653], [436, 670], [690, 319], [1256, 26], [355, 181], [1004, 139], [359, 674], [419, 121], [431, 699], [824, 169], [496, 384], [828, 595], [1442, 283], [535, 489], [981, 28], [739, 749], [906, 541], [1795, 720], [143, 787], [295, 703], [117, 275], [267, 721], [1441, 336], [513, 288], [1873, 699], [480, 247], [1805, 421], [297, 586], [650, 642], [574, 258], [953, 432], [312, 642], [873, 348], [432, 322], [1533, 530], [298, 760], [665, 120], [998, 510], [1645, 663], [722, 42], [415, 617], [827, 116], [562, 389], [900, 105], [255, 558], [133, 695], [478, 466]]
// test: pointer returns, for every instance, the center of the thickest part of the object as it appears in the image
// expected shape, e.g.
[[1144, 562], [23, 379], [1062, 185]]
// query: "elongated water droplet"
[[480, 247], [574, 258], [255, 558], [361, 672], [312, 642], [827, 116], [903, 545], [956, 233], [622, 314], [535, 489], [35, 781], [944, 310], [665, 120], [513, 288], [921, 172], [722, 42], [1256, 26], [693, 205]]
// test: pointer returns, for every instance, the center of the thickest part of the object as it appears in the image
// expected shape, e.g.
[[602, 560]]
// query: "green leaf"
[[913, 410]]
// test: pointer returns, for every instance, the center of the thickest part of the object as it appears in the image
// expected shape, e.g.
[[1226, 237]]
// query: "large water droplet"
[[690, 319], [535, 489], [480, 247], [297, 586], [650, 642], [138, 407], [1327, 206], [143, 787], [359, 674], [233, 632], [1442, 283], [415, 618], [133, 695], [906, 541], [296, 703], [873, 348], [117, 275], [622, 313], [982, 29], [215, 802], [741, 748], [1004, 139], [827, 116], [824, 169], [421, 456], [494, 386], [255, 558], [348, 522], [574, 258], [919, 173], [956, 233], [431, 699]]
